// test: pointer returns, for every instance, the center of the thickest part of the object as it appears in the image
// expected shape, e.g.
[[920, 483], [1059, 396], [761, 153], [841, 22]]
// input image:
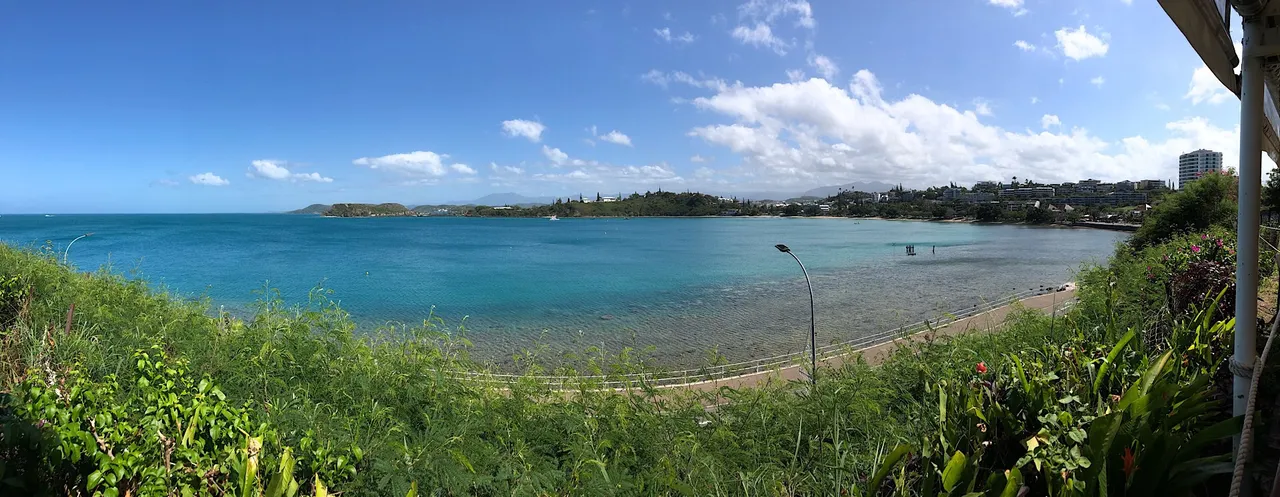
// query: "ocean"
[[686, 287]]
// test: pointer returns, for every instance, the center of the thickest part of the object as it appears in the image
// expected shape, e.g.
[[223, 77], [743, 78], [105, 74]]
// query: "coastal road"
[[876, 354]]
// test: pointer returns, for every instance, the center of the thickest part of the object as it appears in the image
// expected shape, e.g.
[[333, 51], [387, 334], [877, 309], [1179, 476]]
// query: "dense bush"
[[374, 412], [1201, 204]]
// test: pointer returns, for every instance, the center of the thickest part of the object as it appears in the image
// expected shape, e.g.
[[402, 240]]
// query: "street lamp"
[[68, 250], [813, 334]]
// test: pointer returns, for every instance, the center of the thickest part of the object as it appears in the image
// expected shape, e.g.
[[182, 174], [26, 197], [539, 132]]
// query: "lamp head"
[[782, 248]]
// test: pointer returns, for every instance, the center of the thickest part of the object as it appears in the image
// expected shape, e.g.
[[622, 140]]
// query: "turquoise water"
[[685, 286]]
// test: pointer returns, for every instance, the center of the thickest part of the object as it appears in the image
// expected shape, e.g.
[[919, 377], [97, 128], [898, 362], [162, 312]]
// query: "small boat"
[[553, 218]]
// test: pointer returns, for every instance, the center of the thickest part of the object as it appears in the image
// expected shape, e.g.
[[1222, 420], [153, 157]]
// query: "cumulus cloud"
[[810, 132], [276, 170], [520, 127], [1205, 87], [1024, 46], [555, 155], [824, 66], [614, 136], [761, 35], [208, 179], [1079, 44], [982, 107], [664, 34], [1014, 6], [1050, 120], [417, 163], [463, 168]]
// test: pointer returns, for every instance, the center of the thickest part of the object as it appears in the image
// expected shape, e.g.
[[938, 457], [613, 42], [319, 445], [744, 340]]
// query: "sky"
[[240, 106]]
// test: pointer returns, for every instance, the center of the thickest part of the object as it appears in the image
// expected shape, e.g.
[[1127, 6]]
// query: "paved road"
[[876, 354]]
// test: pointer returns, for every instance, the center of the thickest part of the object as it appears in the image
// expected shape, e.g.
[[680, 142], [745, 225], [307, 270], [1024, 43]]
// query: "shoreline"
[[1096, 226]]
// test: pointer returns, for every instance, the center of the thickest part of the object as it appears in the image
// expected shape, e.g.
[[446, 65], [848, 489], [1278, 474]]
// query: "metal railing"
[[686, 377]]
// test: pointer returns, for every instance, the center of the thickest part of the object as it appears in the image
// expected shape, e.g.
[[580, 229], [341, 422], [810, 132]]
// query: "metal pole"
[[68, 250], [1251, 88], [813, 326]]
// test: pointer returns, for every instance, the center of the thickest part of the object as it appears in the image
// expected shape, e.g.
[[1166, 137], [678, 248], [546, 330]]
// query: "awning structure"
[[1206, 25]]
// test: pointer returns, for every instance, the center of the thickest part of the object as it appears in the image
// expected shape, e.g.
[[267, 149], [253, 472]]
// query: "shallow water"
[[685, 286]]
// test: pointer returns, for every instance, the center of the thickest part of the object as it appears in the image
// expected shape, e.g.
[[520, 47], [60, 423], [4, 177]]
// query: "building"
[[987, 185], [1028, 192], [1151, 184], [951, 193], [1088, 186], [1192, 165], [978, 197], [1124, 186]]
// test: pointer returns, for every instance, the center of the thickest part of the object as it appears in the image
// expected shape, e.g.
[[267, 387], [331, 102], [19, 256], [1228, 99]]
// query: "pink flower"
[[1195, 248], [1204, 237], [1219, 243]]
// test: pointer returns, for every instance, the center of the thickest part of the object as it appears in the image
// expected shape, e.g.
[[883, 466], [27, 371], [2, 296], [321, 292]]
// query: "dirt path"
[[876, 354]]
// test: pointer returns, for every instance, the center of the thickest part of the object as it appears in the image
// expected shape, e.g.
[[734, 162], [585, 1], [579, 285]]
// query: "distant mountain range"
[[497, 199]]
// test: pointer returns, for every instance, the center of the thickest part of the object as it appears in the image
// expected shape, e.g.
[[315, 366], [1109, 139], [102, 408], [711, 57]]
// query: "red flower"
[[981, 367], [1129, 465]]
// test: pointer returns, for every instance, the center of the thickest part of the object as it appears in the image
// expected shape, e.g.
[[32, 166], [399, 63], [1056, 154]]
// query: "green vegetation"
[[368, 210], [113, 389], [647, 204], [311, 209], [1208, 201]]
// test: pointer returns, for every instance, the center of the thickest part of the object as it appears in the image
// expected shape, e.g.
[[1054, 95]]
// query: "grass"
[[308, 375]]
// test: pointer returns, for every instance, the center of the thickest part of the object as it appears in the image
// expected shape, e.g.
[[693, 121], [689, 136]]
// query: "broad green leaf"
[[954, 470], [1013, 484], [1111, 357], [1220, 430], [413, 490], [890, 461]]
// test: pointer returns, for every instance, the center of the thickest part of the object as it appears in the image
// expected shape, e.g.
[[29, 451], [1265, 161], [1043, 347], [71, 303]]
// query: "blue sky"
[[267, 106]]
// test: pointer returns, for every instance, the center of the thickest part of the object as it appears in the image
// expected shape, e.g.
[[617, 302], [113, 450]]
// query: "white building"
[[1192, 165]]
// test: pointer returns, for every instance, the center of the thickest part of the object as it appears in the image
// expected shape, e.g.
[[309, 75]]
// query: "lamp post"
[[68, 250], [813, 334]]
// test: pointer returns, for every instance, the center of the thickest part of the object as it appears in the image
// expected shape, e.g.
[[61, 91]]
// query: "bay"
[[684, 286]]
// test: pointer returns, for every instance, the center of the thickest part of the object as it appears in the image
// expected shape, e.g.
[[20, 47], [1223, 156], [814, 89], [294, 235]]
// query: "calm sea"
[[685, 286]]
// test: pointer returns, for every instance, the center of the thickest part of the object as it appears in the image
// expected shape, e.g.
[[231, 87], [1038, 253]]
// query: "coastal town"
[[1121, 204]]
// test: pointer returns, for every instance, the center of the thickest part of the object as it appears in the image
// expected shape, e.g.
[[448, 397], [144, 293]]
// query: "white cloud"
[[463, 168], [810, 132], [981, 107], [1050, 120], [794, 75], [1035, 100], [615, 136], [663, 79], [1024, 46], [760, 36], [208, 179], [268, 169], [417, 163], [1205, 87], [769, 11], [700, 159], [276, 170], [1098, 81], [1014, 6], [314, 177], [824, 66], [1079, 44], [520, 127], [555, 155], [493, 166], [664, 34]]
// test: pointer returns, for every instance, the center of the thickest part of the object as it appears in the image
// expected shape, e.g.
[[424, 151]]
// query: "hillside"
[[368, 210], [311, 209]]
